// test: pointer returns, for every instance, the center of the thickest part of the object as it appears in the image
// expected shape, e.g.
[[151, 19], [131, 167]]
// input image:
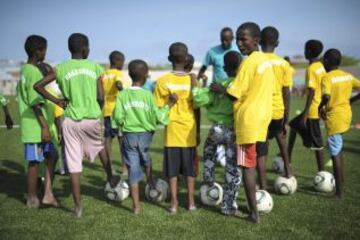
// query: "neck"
[[311, 60], [77, 56], [332, 68], [178, 67], [253, 50], [137, 84], [268, 49], [32, 60], [231, 74]]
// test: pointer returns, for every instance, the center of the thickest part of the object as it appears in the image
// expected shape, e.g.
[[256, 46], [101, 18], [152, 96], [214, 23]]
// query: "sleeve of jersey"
[[311, 79], [118, 113], [201, 96], [119, 77], [288, 76], [356, 84], [33, 97], [3, 100], [239, 85], [207, 59], [160, 94], [326, 85]]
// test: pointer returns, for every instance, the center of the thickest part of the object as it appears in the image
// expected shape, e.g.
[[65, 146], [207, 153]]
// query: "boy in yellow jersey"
[[252, 89], [337, 87], [280, 103], [307, 123], [112, 84], [180, 133]]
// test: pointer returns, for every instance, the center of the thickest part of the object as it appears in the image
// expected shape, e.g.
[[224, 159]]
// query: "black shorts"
[[179, 161], [275, 127], [311, 134], [108, 130]]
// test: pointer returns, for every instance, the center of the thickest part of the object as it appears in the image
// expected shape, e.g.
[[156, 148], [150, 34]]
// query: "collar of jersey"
[[135, 88], [181, 73]]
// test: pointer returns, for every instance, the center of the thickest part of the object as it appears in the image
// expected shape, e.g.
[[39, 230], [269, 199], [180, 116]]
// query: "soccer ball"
[[285, 185], [160, 193], [118, 193], [221, 155], [324, 182], [264, 201], [211, 196], [278, 164]]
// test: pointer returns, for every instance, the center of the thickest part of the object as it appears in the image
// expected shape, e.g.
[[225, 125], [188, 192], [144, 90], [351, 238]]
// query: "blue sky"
[[144, 29]]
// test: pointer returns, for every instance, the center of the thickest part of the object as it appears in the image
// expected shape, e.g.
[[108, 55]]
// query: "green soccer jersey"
[[219, 106], [27, 98], [77, 79], [136, 111]]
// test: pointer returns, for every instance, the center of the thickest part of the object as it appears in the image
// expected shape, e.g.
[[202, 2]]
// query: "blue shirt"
[[215, 58], [149, 85]]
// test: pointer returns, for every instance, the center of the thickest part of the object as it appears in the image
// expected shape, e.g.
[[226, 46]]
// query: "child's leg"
[[76, 192], [107, 167], [124, 169], [190, 182], [108, 145], [134, 188], [210, 158], [50, 161], [173, 193], [281, 141], [335, 146], [292, 139], [261, 151], [32, 179], [319, 154], [250, 190]]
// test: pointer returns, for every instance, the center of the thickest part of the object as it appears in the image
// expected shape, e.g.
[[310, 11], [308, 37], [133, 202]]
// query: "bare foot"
[[78, 212], [253, 218], [50, 201], [32, 203], [137, 211]]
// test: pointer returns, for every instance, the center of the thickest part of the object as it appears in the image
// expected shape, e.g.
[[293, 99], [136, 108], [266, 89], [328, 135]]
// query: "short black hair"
[[269, 35], [252, 27], [178, 52], [116, 55], [224, 30], [137, 69], [232, 59], [77, 41], [315, 47], [34, 43], [333, 57]]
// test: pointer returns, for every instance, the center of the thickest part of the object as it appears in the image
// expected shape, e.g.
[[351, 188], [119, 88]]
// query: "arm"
[[201, 75], [197, 113], [40, 88], [324, 100], [305, 112], [45, 133], [119, 86], [99, 92], [286, 100], [355, 98]]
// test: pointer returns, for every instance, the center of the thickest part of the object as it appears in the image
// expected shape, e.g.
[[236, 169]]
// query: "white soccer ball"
[[278, 164], [118, 193], [264, 202], [324, 182], [211, 196], [160, 193], [285, 185], [221, 155]]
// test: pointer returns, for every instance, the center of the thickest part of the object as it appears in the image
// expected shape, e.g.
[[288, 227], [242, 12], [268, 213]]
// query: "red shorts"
[[246, 155]]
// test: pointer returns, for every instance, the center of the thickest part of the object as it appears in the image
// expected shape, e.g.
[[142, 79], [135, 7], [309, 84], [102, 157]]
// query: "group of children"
[[247, 109]]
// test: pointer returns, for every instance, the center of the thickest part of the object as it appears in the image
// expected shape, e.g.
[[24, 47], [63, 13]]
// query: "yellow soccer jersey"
[[253, 89], [110, 91], [283, 76], [181, 130], [314, 74], [338, 85]]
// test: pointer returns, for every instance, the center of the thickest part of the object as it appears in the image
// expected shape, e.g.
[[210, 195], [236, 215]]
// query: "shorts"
[[275, 127], [311, 135], [37, 151], [81, 139], [246, 155], [136, 154], [179, 161], [335, 144], [108, 130]]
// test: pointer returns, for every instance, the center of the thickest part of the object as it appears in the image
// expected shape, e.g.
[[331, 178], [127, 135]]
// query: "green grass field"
[[304, 215]]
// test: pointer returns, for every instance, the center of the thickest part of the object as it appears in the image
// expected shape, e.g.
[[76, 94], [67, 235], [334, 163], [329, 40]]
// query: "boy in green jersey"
[[220, 112], [137, 114], [35, 124], [80, 83]]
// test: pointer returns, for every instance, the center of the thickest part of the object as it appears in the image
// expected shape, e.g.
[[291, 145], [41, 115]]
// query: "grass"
[[304, 215]]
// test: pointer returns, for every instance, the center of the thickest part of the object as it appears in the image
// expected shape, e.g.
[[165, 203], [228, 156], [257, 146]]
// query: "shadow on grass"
[[13, 185]]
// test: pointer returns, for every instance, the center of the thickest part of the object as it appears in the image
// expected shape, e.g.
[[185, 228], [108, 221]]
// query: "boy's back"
[[314, 74], [181, 130], [109, 79], [77, 79], [253, 87]]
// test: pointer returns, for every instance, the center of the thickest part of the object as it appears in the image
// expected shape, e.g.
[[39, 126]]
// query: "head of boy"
[[117, 60], [313, 49], [248, 37], [138, 71], [269, 37], [35, 47], [178, 53], [78, 44], [189, 63], [332, 59], [226, 37], [232, 62]]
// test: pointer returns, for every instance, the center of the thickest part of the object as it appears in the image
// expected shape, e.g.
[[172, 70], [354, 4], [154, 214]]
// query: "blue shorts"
[[135, 150], [37, 151], [108, 130], [335, 144]]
